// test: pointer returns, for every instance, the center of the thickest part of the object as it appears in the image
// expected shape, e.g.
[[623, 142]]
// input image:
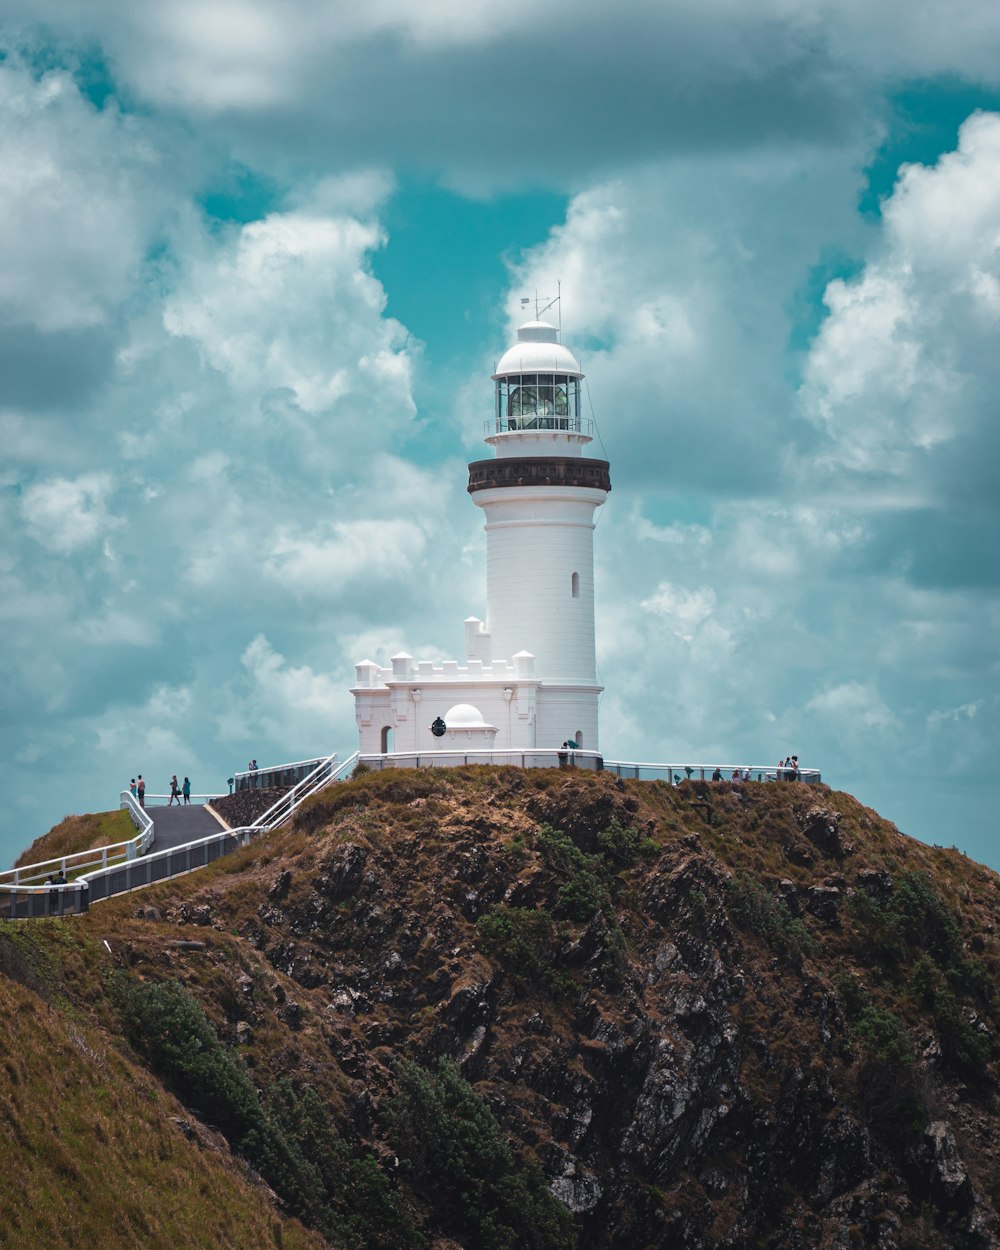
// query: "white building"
[[529, 676]]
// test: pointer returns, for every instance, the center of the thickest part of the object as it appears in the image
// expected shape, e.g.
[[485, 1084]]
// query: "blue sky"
[[257, 261]]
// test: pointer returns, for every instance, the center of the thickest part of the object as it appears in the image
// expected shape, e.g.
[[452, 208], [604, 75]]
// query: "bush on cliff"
[[293, 1144], [459, 1161]]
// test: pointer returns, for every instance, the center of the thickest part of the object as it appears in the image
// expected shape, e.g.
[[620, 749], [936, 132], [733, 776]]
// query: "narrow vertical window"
[[575, 585]]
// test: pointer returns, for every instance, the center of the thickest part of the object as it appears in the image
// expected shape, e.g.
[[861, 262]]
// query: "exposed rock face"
[[822, 827], [245, 807], [705, 1038]]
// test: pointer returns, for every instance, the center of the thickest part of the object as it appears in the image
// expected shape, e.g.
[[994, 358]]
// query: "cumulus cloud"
[[796, 553], [901, 376], [286, 700], [79, 197], [854, 707], [289, 307], [66, 516]]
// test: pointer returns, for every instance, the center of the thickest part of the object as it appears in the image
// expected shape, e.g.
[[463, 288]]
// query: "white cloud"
[[290, 701], [65, 515], [288, 304], [853, 707], [353, 551], [78, 200], [905, 361], [683, 610]]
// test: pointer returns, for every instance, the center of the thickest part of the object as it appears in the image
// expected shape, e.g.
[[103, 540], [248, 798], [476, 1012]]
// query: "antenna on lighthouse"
[[543, 308]]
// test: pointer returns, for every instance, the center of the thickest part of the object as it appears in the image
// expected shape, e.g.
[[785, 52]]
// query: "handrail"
[[276, 768], [207, 798], [279, 812], [549, 757], [77, 860], [128, 868], [133, 871]]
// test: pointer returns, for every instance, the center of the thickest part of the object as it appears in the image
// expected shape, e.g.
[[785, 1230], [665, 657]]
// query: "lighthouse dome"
[[537, 350], [463, 716]]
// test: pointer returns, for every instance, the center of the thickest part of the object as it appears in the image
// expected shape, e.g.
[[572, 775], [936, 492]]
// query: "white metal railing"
[[275, 774], [551, 758], [130, 871], [123, 866], [674, 773], [504, 424], [76, 864], [163, 800], [325, 771], [542, 758]]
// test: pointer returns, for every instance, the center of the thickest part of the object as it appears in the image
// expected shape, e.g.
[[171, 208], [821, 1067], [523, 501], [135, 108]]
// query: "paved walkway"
[[173, 826]]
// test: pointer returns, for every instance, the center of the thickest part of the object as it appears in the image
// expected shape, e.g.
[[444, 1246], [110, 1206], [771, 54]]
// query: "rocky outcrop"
[[705, 1024]]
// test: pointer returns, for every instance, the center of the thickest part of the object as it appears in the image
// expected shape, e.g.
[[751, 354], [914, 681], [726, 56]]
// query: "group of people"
[[177, 791], [788, 770], [137, 789]]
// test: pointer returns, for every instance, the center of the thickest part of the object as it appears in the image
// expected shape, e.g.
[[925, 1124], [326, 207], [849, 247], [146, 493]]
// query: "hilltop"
[[711, 1015]]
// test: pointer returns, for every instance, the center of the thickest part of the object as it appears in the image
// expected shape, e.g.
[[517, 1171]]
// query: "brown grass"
[[96, 1153], [79, 833]]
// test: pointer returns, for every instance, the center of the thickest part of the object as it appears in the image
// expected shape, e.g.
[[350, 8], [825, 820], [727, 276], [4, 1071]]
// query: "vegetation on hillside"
[[79, 833], [550, 1009]]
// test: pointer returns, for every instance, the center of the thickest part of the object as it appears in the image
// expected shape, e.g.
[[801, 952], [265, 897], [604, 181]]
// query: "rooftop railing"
[[504, 424]]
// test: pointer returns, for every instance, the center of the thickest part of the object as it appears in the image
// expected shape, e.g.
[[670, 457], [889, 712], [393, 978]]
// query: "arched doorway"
[[387, 739]]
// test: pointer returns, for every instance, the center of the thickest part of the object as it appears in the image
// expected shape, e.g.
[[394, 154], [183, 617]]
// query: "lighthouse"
[[529, 679]]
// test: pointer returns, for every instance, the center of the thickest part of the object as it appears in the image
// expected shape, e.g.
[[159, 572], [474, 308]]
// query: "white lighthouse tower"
[[529, 680]]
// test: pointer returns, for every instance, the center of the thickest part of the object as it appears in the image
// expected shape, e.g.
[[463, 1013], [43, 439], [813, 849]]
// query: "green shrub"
[[525, 941], [914, 921], [852, 994], [924, 922], [350, 1198], [887, 1083], [757, 910], [623, 844], [459, 1162], [881, 1037], [293, 1143], [963, 1048], [165, 1024], [586, 889]]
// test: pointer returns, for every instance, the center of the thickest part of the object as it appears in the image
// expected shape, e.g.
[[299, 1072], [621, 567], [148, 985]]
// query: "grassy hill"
[[492, 1008], [79, 833]]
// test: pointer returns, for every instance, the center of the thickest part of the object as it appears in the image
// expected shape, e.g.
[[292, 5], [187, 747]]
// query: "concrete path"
[[173, 826]]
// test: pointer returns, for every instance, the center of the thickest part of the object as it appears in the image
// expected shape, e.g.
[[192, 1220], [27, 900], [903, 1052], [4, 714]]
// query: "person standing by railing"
[[140, 786], [186, 791]]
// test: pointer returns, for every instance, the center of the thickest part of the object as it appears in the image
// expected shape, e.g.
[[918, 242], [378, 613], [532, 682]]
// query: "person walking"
[[175, 791], [140, 787], [186, 791]]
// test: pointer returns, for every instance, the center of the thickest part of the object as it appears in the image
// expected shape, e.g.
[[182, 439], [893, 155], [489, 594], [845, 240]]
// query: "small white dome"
[[462, 716], [538, 350]]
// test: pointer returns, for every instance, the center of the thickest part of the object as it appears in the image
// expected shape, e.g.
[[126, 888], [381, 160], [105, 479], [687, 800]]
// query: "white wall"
[[536, 539]]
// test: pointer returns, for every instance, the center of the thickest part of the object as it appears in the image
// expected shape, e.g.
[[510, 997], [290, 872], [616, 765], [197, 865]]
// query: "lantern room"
[[537, 383]]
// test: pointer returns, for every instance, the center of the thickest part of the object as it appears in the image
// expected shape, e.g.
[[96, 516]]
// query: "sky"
[[257, 261]]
